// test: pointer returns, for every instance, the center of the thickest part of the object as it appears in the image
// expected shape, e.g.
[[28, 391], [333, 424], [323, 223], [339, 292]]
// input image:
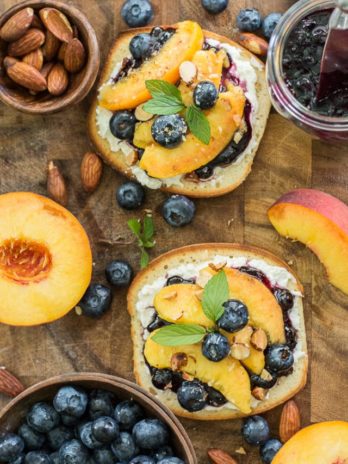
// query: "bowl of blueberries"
[[91, 419]]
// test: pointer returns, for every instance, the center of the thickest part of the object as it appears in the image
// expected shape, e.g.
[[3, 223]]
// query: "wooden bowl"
[[21, 99], [13, 414]]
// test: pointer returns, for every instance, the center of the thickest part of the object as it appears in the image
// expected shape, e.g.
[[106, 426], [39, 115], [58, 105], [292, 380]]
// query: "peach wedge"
[[45, 260], [320, 221]]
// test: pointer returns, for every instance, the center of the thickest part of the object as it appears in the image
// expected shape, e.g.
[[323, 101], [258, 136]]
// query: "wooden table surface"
[[287, 159]]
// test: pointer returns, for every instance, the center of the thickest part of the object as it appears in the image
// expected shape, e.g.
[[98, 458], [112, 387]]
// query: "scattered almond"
[[61, 51], [240, 351], [241, 450], [29, 42], [253, 43], [51, 46], [34, 58], [57, 23], [58, 80], [203, 278], [259, 393], [259, 340], [199, 294], [74, 56], [131, 158], [171, 295], [265, 375], [17, 25], [9, 384], [226, 61], [244, 335], [218, 456], [178, 361], [141, 114], [26, 75], [91, 171], [217, 267], [56, 186], [188, 71], [290, 421]]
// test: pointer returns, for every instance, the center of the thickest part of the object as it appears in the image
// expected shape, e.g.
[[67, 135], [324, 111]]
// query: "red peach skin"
[[320, 221]]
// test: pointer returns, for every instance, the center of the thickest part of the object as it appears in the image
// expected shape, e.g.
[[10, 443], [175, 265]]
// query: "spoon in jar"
[[334, 63]]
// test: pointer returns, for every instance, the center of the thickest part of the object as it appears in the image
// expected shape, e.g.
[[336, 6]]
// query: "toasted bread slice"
[[228, 178], [164, 266]]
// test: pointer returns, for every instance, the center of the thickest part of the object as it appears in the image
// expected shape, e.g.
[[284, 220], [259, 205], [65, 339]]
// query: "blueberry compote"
[[301, 66]]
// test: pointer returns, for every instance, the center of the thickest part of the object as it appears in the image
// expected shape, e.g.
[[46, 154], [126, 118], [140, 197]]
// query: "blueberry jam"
[[301, 66]]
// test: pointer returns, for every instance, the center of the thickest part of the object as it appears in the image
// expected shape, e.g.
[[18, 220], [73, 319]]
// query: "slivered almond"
[[290, 421], [74, 56], [240, 351], [259, 340], [178, 360], [91, 171], [131, 158], [58, 80], [259, 393], [9, 384], [56, 186], [27, 76], [171, 295], [265, 375], [218, 456], [34, 58], [29, 42], [51, 46], [188, 71], [241, 450], [57, 23], [218, 267], [17, 25]]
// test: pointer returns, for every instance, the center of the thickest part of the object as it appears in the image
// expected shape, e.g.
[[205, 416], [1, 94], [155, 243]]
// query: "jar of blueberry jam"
[[293, 70]]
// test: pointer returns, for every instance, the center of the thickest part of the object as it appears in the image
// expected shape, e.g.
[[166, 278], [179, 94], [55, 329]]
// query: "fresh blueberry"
[[171, 460], [215, 398], [259, 381], [101, 404], [214, 6], [127, 414], [205, 172], [150, 434], [141, 46], [269, 24], [119, 273], [142, 459], [163, 452], [192, 396], [33, 440], [259, 275], [173, 280], [269, 449], [130, 195], [20, 460], [105, 429], [284, 298], [96, 301], [205, 95], [177, 381], [162, 378], [249, 20], [124, 447], [71, 400], [215, 346], [11, 447], [42, 417], [37, 457], [137, 13], [157, 323], [235, 316], [103, 456], [255, 430], [56, 437], [169, 130], [178, 210], [122, 125], [279, 358], [54, 457], [69, 421], [73, 452], [87, 436]]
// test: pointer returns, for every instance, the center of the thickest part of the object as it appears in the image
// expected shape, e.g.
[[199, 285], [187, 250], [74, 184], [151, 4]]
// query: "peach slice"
[[323, 443], [320, 221], [45, 260]]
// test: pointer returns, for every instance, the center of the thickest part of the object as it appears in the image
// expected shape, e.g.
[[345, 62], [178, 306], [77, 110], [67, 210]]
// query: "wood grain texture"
[[287, 159]]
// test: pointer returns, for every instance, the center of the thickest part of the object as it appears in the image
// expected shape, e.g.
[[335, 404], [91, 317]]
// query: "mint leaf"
[[144, 258], [144, 233], [163, 105], [149, 228], [198, 124], [215, 293], [179, 334], [135, 226], [158, 87]]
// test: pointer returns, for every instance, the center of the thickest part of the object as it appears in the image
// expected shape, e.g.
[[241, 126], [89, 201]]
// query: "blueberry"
[[192, 396], [163, 452], [105, 429], [215, 398], [71, 400], [11, 447], [103, 456], [128, 413], [259, 381], [56, 437], [215, 346], [142, 459], [119, 273], [33, 440], [20, 460], [101, 404], [130, 195], [178, 210], [279, 358], [169, 130], [162, 378], [73, 452], [124, 447], [69, 421], [249, 20], [141, 46], [269, 449], [54, 457], [269, 24], [171, 460], [235, 316], [156, 324], [156, 32], [205, 172], [255, 430], [37, 457], [42, 417], [214, 6], [87, 436], [96, 301], [284, 298], [150, 434], [122, 125], [205, 95], [137, 13], [173, 280]]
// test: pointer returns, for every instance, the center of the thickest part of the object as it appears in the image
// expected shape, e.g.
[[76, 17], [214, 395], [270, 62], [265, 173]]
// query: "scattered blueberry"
[[249, 20], [137, 13], [73, 452], [124, 447], [56, 437], [163, 452], [105, 429], [20, 460], [37, 457], [69, 421], [215, 346], [269, 24], [122, 125], [142, 459], [71, 400], [161, 378], [54, 457], [42, 417], [205, 95], [171, 460], [192, 396], [214, 6], [96, 301], [101, 404], [141, 46], [11, 447], [103, 456], [33, 440], [88, 438], [130, 195], [119, 273], [215, 398], [178, 210], [258, 381], [150, 434], [269, 449], [279, 358], [284, 298], [255, 430], [128, 413], [169, 130], [235, 316]]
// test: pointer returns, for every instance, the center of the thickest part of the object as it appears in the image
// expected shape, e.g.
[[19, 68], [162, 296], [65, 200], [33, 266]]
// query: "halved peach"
[[45, 260], [322, 443], [320, 221]]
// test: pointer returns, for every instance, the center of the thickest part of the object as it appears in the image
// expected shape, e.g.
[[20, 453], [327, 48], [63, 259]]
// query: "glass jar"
[[324, 127]]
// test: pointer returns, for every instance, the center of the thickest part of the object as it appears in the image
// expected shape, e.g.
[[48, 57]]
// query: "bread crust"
[[287, 387], [232, 175]]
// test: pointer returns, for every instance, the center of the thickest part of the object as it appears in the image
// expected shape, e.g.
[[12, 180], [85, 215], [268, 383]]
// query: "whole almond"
[[57, 23], [51, 46], [9, 61], [46, 69], [27, 76], [29, 42], [34, 58], [9, 384], [91, 171], [17, 25], [56, 187], [253, 43], [74, 56], [218, 456], [61, 51], [290, 421], [259, 393], [37, 23], [58, 80]]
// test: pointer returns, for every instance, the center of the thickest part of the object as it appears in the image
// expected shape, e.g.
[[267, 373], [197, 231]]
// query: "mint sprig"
[[179, 334], [215, 294], [144, 231]]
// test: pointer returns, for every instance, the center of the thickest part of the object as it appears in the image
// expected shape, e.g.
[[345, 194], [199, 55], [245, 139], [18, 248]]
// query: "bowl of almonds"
[[49, 56]]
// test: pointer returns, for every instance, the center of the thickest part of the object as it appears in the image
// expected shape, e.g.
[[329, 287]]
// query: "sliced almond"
[[218, 267], [57, 23], [178, 360], [253, 43], [259, 393], [74, 56], [243, 336], [34, 58], [27, 76], [58, 80], [226, 59], [51, 46], [265, 375], [131, 158], [241, 450], [290, 421], [199, 294], [29, 42], [188, 71], [141, 114], [171, 295], [61, 51], [203, 278], [17, 25], [259, 340], [240, 351]]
